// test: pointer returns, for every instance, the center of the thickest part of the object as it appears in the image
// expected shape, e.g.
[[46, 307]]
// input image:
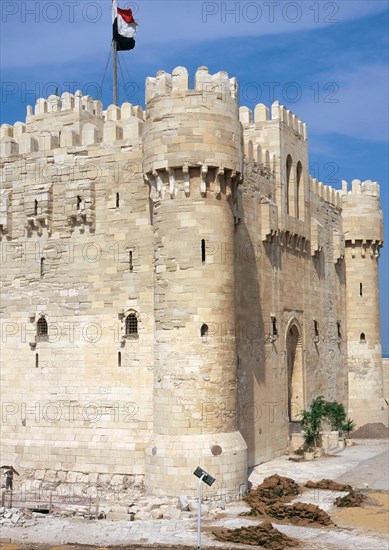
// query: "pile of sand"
[[376, 430]]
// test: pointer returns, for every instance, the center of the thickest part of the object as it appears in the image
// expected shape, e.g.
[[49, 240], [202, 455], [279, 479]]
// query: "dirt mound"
[[352, 500], [376, 430], [256, 535], [328, 484], [299, 513], [273, 489]]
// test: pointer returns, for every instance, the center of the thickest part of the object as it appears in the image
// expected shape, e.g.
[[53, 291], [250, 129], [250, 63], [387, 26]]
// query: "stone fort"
[[176, 287]]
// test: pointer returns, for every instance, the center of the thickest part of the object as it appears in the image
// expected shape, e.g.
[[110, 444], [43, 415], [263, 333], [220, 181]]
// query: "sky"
[[326, 61]]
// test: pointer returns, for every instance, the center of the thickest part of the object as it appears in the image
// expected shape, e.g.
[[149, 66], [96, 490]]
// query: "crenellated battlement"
[[278, 113], [367, 187], [326, 192], [176, 83], [71, 121]]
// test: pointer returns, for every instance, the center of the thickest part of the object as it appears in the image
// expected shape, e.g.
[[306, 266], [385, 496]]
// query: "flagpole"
[[115, 71]]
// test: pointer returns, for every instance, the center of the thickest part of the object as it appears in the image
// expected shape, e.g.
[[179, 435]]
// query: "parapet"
[[326, 192], [278, 113], [71, 121], [177, 83], [362, 216], [367, 187]]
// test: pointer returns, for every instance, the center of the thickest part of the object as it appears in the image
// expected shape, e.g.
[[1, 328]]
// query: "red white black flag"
[[124, 28]]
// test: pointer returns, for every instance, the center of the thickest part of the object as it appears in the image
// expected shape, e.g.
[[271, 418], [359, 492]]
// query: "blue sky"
[[327, 61]]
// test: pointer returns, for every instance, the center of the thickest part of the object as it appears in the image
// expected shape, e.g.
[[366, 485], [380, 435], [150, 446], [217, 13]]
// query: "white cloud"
[[361, 109], [72, 32]]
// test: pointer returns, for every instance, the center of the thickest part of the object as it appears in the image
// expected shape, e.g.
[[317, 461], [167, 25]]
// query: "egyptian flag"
[[124, 28]]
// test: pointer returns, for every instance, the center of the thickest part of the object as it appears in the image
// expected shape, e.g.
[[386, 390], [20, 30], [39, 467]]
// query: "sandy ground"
[[373, 517], [364, 466]]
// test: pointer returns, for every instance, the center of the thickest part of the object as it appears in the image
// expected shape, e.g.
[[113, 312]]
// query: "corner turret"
[[363, 231]]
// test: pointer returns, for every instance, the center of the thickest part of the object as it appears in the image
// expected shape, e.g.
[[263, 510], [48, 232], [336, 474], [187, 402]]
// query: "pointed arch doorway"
[[294, 354]]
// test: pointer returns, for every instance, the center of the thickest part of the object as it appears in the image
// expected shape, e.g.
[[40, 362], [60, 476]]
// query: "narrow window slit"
[[203, 250], [274, 326], [119, 358], [117, 200], [130, 263]]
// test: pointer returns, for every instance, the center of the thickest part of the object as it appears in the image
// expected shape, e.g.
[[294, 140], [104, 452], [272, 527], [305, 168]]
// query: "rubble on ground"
[[273, 489], [13, 517], [351, 500], [328, 484], [299, 513], [264, 535]]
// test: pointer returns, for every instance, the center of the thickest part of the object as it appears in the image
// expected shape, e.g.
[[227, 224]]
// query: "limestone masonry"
[[176, 287]]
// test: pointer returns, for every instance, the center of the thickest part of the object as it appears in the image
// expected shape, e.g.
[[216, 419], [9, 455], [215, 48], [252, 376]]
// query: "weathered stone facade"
[[176, 287]]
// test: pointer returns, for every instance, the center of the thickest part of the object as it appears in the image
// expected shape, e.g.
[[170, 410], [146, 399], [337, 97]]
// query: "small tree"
[[348, 425], [335, 414], [311, 421]]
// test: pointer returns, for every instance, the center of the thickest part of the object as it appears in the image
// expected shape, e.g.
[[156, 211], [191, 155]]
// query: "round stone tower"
[[192, 162], [363, 229]]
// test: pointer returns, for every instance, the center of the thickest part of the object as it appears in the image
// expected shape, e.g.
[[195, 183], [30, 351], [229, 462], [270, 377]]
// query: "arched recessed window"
[[203, 250], [131, 325], [362, 337], [299, 173], [204, 331], [42, 329], [289, 163]]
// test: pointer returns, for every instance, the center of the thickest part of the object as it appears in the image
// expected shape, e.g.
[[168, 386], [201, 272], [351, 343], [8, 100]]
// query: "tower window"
[[36, 360], [204, 331], [203, 250], [274, 326], [42, 267], [131, 325], [119, 358], [130, 264], [362, 337], [117, 200], [360, 289], [316, 327], [35, 207], [42, 329], [79, 201]]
